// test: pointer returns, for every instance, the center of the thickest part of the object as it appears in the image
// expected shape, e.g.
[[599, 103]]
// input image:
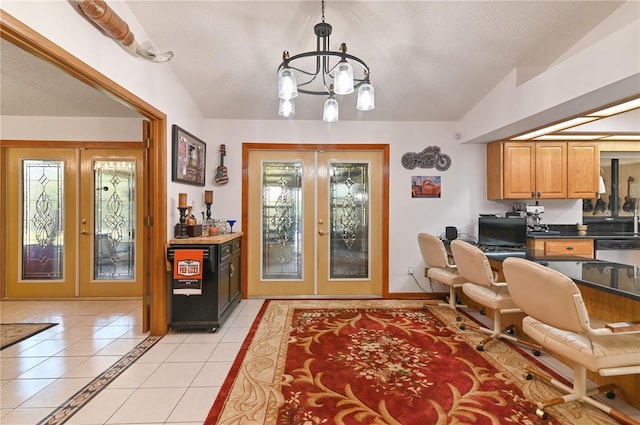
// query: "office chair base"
[[577, 393], [506, 334]]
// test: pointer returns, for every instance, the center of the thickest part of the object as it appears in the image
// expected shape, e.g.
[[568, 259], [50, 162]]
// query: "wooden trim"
[[247, 147], [155, 235], [66, 144]]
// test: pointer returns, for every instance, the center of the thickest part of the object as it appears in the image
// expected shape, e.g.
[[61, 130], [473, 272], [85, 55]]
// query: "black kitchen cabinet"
[[221, 287]]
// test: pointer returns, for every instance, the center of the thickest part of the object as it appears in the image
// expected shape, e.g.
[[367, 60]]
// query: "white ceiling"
[[429, 60]]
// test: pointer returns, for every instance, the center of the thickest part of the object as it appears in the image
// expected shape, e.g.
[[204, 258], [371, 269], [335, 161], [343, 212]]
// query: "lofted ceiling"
[[429, 60]]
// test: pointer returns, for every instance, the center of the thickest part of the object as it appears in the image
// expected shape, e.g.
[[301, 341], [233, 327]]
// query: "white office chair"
[[558, 319], [434, 255], [481, 286]]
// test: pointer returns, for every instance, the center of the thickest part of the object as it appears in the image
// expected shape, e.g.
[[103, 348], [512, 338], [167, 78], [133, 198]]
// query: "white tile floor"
[[175, 382]]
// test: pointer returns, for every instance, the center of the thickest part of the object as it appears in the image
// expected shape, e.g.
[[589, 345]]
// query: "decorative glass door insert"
[[42, 220], [115, 219], [349, 220], [282, 237]]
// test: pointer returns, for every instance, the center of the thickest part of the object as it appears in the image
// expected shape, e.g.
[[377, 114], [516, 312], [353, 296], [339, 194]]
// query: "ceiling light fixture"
[[326, 80], [556, 131]]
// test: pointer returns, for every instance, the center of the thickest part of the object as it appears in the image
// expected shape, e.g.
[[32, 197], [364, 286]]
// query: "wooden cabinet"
[[583, 168], [542, 170], [221, 286], [550, 248]]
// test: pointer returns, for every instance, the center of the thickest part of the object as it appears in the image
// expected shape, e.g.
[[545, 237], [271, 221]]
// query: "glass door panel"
[[40, 205], [110, 214], [115, 220], [281, 199], [282, 237], [42, 219], [349, 247]]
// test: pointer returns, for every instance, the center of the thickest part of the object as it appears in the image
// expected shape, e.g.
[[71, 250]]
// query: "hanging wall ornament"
[[428, 158], [108, 21]]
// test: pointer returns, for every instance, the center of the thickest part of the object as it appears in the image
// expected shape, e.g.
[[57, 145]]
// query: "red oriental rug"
[[345, 362]]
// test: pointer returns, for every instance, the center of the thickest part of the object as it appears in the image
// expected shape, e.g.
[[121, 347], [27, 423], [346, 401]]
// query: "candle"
[[182, 200], [208, 196]]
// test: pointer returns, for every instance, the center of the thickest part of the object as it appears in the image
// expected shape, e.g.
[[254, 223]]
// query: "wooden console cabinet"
[[542, 170], [221, 284]]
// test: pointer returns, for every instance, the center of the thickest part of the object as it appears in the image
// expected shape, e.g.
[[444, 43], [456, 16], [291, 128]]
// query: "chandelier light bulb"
[[330, 113], [287, 86], [343, 82], [287, 108], [366, 98]]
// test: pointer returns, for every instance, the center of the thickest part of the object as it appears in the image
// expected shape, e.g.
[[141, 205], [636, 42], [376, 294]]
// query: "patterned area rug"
[[380, 362], [12, 333]]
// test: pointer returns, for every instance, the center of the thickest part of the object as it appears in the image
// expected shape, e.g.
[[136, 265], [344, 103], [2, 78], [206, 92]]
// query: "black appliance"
[[502, 232]]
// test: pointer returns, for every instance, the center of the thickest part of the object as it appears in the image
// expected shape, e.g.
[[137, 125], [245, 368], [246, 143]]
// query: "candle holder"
[[182, 227]]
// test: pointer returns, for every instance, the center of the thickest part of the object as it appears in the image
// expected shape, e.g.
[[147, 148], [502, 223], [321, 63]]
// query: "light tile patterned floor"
[[175, 382]]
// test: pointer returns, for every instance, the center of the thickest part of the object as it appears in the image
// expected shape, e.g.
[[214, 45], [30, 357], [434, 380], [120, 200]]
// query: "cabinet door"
[[519, 170], [583, 165], [223, 288], [551, 170], [235, 289]]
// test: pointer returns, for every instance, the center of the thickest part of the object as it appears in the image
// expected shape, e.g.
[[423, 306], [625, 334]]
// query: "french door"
[[74, 216], [316, 220]]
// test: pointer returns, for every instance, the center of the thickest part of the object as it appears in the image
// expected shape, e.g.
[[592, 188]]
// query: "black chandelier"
[[336, 79]]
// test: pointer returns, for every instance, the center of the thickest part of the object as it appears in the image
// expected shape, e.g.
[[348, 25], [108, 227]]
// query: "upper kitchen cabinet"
[[542, 170], [583, 168]]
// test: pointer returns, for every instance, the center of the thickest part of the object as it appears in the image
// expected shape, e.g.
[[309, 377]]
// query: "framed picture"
[[189, 158], [426, 186]]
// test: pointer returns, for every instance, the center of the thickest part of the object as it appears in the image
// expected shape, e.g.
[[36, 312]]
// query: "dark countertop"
[[615, 278], [619, 279], [589, 235]]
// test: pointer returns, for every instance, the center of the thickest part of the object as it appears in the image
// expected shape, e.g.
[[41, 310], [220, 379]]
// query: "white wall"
[[71, 128]]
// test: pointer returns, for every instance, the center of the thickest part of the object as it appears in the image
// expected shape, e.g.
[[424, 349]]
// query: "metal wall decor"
[[430, 157]]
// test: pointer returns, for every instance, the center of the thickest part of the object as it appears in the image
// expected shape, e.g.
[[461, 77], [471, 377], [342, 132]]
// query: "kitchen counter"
[[206, 240], [618, 279], [589, 235]]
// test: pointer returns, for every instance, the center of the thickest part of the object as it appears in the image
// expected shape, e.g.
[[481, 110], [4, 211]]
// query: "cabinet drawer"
[[235, 246], [568, 248], [224, 252], [539, 248]]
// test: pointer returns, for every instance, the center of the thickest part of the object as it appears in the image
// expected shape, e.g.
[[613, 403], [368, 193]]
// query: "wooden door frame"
[[155, 229], [246, 226]]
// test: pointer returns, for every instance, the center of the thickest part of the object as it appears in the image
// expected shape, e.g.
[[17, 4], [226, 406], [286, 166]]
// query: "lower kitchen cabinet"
[[221, 286]]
